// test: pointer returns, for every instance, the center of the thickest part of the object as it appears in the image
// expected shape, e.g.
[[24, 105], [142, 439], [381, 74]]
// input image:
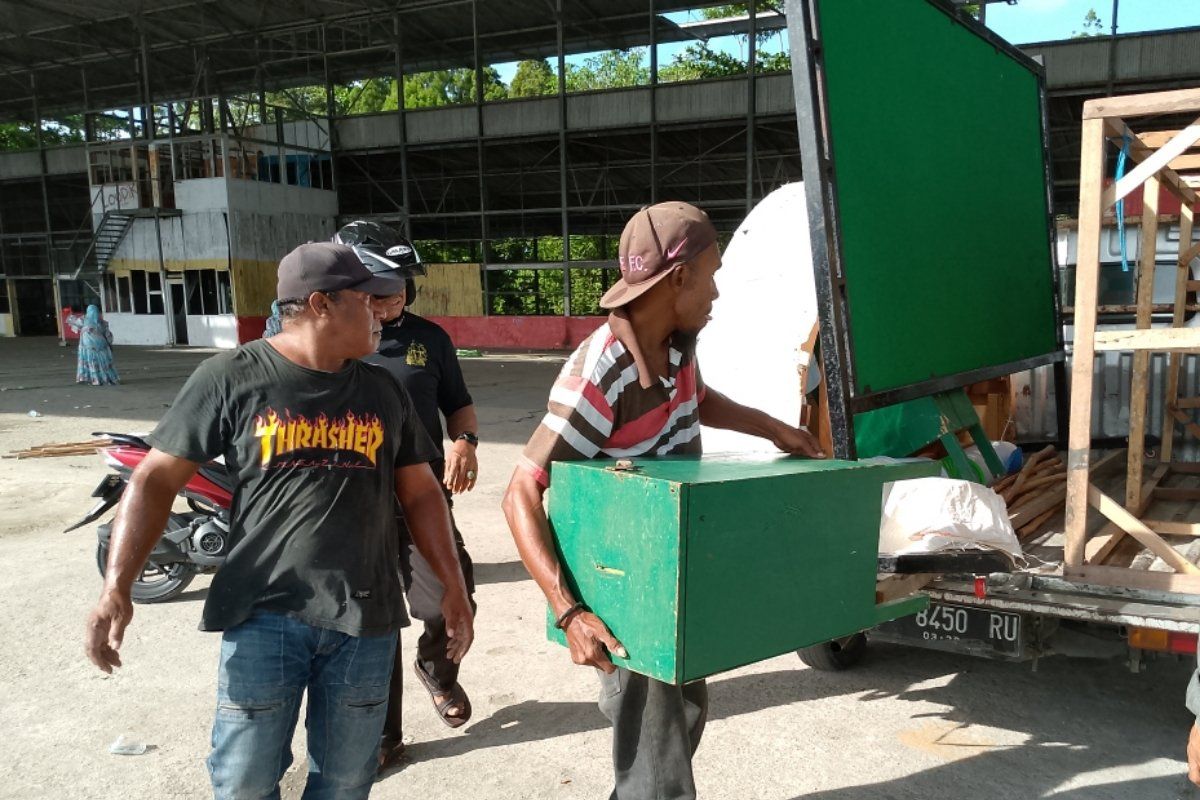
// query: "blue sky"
[[1045, 20], [1026, 21]]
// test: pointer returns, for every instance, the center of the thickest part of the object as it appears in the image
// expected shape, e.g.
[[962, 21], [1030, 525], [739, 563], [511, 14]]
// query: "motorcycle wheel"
[[157, 583]]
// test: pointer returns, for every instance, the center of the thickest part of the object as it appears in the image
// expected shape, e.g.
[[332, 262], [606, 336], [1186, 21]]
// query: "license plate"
[[947, 624]]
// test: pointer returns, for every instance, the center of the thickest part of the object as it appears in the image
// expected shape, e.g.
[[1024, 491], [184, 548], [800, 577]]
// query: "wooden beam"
[[1139, 381], [1048, 499], [1171, 493], [1183, 467], [1134, 579], [893, 587], [1182, 188], [1153, 164], [1193, 251], [1172, 528], [1180, 101], [1156, 139], [1183, 419], [1165, 340], [1185, 162], [1183, 402], [1100, 546], [1130, 308], [1087, 276], [1134, 527]]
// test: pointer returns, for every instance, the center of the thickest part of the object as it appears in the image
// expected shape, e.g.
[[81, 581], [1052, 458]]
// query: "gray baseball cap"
[[328, 267]]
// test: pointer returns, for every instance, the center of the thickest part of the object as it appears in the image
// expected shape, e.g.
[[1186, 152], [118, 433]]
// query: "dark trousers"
[[656, 730], [424, 592]]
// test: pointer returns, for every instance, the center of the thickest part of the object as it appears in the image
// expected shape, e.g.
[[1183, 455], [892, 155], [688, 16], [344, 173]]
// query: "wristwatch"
[[468, 437]]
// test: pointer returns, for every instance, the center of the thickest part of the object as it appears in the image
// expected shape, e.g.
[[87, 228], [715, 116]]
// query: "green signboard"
[[925, 164]]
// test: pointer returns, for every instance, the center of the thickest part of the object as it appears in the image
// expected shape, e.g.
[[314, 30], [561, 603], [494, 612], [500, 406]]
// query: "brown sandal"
[[458, 697]]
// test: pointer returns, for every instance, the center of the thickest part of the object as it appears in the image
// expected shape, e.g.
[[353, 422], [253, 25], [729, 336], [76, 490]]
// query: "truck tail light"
[[1162, 641]]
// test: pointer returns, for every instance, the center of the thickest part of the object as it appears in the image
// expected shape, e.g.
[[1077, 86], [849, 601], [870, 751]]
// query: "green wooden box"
[[700, 565]]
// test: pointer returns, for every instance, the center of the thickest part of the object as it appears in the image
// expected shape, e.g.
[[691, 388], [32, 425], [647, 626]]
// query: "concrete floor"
[[905, 724]]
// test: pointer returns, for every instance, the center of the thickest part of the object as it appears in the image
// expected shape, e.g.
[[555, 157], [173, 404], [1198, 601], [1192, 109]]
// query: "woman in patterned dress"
[[95, 351]]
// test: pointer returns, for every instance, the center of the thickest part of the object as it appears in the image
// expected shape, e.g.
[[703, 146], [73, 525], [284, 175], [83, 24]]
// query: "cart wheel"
[[836, 655]]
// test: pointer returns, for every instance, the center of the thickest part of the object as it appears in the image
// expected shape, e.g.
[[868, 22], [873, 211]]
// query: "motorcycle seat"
[[218, 474]]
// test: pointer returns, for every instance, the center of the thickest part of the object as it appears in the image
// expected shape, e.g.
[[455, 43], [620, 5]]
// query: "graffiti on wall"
[[114, 196]]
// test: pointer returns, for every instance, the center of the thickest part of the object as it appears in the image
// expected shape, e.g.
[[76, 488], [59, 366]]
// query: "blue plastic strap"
[[1121, 159]]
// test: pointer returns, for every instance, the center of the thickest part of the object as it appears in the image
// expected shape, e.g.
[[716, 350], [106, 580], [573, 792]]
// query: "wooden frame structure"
[[1160, 157]]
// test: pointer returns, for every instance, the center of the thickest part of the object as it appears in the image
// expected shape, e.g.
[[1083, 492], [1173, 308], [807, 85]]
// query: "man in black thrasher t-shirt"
[[319, 445]]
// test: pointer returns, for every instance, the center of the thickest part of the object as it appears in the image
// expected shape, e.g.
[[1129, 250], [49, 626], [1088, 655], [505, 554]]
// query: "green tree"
[[23, 136], [697, 62], [306, 99], [611, 69], [366, 97], [743, 10], [533, 78], [451, 87], [1092, 26]]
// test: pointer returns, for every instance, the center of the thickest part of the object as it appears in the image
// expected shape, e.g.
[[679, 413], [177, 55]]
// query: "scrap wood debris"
[[61, 449], [1036, 493]]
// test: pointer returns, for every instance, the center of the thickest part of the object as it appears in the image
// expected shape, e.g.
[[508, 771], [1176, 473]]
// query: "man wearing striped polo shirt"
[[633, 389]]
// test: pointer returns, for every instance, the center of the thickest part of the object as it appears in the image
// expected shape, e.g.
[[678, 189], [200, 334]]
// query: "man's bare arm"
[[141, 519], [587, 635], [428, 519], [718, 411]]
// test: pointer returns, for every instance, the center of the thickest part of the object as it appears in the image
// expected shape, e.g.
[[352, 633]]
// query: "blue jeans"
[[266, 664]]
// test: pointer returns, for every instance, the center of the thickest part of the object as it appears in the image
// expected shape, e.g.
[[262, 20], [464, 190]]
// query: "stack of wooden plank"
[[1036, 493], [61, 449]]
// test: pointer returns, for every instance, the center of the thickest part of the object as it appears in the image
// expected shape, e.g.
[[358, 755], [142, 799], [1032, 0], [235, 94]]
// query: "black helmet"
[[380, 248]]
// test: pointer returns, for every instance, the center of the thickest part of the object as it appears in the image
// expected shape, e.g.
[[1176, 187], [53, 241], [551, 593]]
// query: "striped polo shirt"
[[599, 409]]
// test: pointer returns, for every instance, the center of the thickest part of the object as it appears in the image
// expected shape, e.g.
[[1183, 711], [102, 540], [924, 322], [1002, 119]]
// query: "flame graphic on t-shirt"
[[279, 436]]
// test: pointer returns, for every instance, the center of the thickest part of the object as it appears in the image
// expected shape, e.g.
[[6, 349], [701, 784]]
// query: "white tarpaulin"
[[766, 310]]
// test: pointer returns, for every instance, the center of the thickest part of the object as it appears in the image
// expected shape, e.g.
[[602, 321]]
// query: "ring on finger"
[[470, 474]]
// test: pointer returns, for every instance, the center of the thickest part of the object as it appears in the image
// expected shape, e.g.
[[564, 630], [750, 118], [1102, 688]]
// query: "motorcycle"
[[193, 543]]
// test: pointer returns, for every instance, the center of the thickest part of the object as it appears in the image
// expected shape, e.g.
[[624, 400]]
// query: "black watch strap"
[[468, 437]]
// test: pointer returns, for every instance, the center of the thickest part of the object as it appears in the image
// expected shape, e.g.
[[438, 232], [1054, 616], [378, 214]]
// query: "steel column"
[[483, 226], [817, 165], [751, 99], [653, 104], [41, 148], [402, 125], [562, 159], [331, 112]]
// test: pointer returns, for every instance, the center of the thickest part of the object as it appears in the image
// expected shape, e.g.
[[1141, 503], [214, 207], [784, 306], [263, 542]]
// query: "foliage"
[[533, 78], [743, 10], [697, 61], [451, 87], [1092, 26], [540, 291], [611, 69]]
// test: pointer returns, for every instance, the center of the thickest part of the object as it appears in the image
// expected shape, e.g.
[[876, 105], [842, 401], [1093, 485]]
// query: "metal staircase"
[[109, 233]]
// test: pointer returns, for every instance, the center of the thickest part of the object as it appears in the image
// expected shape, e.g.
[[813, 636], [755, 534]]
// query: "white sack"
[[927, 515]]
